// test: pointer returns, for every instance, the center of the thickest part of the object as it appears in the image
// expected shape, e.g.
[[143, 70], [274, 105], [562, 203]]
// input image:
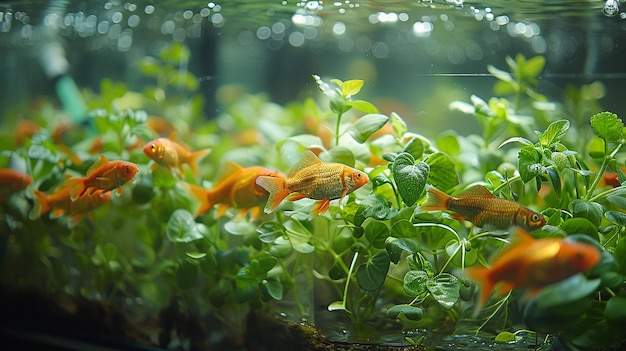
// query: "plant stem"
[[605, 164], [338, 127]]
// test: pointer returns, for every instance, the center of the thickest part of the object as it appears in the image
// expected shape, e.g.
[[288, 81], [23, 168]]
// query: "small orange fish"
[[104, 175], [12, 182], [60, 203], [477, 205], [171, 154], [533, 263], [235, 187], [314, 179]]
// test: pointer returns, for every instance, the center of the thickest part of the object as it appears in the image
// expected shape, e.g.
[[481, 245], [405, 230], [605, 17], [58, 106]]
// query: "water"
[[415, 56]]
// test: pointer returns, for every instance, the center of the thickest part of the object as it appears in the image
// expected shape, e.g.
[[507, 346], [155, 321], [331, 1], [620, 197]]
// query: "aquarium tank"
[[313, 175]]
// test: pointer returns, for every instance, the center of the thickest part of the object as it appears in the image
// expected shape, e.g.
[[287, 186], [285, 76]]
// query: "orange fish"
[[477, 205], [60, 203], [170, 154], [104, 175], [311, 178], [235, 187], [533, 263], [11, 182]]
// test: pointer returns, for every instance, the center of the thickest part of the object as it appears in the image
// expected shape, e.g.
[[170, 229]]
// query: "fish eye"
[[534, 217], [358, 175], [153, 147]]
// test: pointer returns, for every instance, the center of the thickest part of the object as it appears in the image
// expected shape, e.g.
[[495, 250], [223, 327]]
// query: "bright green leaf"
[[445, 289], [414, 283], [398, 125], [363, 106], [410, 177], [442, 174], [528, 163], [607, 126], [554, 133], [351, 87], [367, 125]]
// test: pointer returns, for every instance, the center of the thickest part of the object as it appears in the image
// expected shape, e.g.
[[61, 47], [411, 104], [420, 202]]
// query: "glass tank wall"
[[107, 240]]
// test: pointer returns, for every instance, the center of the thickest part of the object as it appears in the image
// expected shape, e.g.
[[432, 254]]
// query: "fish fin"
[[308, 159], [320, 207], [42, 205], [201, 195], [77, 187], [476, 190], [221, 210], [295, 197], [101, 161], [458, 216], [437, 200], [57, 212], [118, 191], [228, 168], [195, 157], [277, 189], [255, 212], [482, 276]]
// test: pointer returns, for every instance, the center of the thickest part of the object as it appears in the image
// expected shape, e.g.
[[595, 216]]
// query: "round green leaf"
[[445, 289], [589, 210], [372, 274], [442, 173], [274, 288], [608, 126], [407, 311], [414, 283], [245, 285], [182, 228], [528, 163], [270, 231], [615, 310], [395, 246], [579, 225]]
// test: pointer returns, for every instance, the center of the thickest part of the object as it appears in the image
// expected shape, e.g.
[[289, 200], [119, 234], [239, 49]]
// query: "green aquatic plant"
[[378, 257]]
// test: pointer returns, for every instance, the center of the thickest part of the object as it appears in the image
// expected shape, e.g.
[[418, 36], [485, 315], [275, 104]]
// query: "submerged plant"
[[378, 256]]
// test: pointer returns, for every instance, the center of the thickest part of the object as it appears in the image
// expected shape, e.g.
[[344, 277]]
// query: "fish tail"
[[483, 277], [77, 187], [42, 205], [276, 187], [195, 157], [203, 195], [437, 200]]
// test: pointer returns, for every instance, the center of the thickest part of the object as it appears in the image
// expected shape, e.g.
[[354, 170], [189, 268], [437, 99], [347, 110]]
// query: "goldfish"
[[171, 154], [11, 182], [533, 263], [477, 205], [104, 175], [235, 187], [314, 179], [60, 203]]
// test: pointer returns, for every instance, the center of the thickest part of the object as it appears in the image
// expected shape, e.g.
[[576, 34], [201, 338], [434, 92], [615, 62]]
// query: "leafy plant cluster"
[[376, 252]]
